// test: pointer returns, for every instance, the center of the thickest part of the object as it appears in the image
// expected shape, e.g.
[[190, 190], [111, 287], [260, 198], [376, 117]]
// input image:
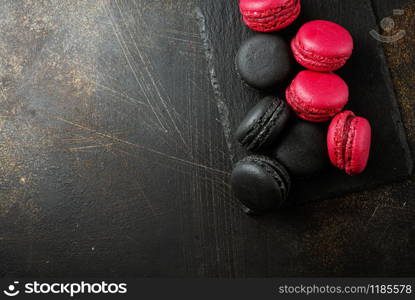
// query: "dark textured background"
[[114, 154]]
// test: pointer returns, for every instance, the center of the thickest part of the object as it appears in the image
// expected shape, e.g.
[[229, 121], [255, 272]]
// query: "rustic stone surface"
[[114, 158]]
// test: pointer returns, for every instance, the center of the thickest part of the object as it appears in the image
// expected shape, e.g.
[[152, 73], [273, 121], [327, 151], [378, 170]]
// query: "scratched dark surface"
[[116, 149]]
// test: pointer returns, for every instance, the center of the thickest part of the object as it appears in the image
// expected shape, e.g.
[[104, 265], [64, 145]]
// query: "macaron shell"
[[274, 125], [305, 111], [314, 62], [252, 119], [259, 5], [348, 142], [302, 149], [358, 146], [268, 15], [325, 38], [321, 90], [273, 22], [316, 96], [263, 124], [264, 61], [260, 183], [254, 187]]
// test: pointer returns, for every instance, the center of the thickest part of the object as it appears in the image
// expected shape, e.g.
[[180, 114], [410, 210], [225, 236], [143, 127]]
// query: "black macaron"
[[263, 124], [303, 148], [264, 61], [261, 184]]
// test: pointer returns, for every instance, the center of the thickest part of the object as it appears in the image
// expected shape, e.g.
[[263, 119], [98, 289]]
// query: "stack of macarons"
[[296, 134]]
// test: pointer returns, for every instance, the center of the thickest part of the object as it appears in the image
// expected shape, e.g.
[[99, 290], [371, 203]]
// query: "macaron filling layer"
[[315, 61], [349, 147], [342, 139], [272, 18], [307, 112]]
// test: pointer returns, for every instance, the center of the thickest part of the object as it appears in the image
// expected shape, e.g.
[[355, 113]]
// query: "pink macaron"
[[348, 142], [269, 15], [322, 46], [317, 97]]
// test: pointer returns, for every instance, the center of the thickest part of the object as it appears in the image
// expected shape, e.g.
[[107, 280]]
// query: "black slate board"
[[371, 91]]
